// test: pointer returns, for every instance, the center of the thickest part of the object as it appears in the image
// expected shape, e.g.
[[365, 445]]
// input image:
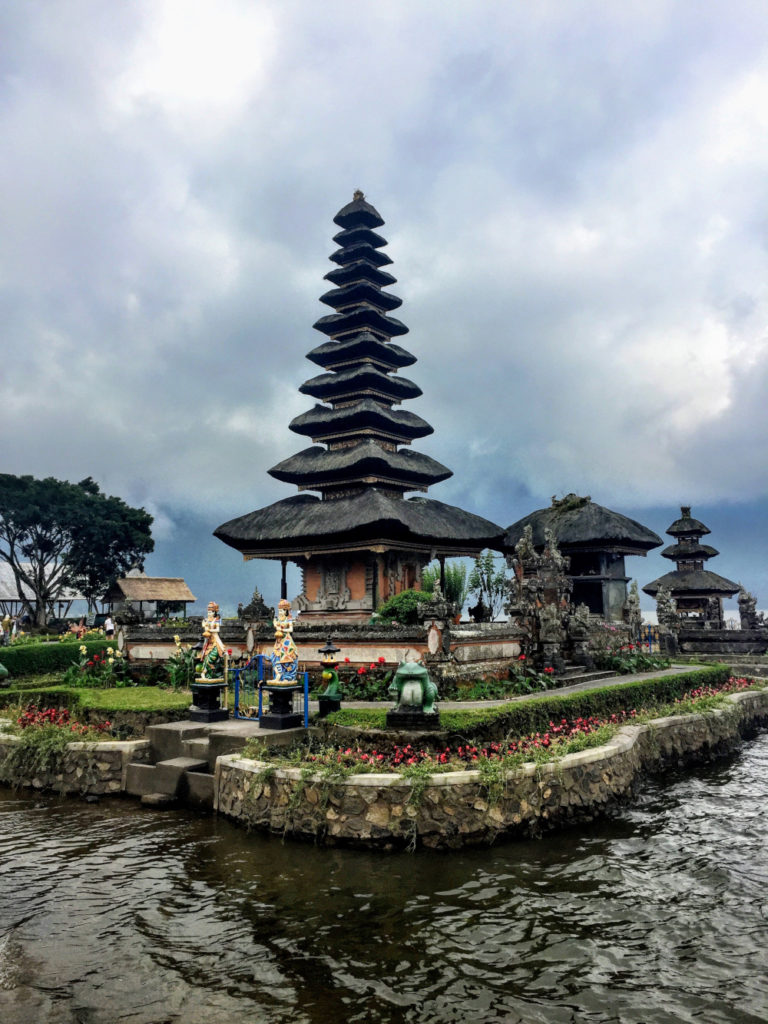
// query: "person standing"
[[109, 626]]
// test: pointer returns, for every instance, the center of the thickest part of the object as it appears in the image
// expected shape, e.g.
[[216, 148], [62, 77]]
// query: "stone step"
[[199, 789], [140, 779], [168, 740], [158, 800], [200, 748], [169, 774]]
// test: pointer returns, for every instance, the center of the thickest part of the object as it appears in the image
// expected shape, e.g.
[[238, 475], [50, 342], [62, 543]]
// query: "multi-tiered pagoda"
[[698, 593], [362, 540]]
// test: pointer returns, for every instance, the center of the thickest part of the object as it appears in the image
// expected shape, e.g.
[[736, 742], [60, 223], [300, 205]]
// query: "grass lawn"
[[133, 698]]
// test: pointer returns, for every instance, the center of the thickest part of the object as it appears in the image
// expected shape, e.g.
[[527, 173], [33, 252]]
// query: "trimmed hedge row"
[[534, 714], [44, 696], [106, 701], [39, 659]]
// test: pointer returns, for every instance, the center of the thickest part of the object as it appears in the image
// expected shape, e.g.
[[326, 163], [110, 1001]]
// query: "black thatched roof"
[[358, 292], [364, 415], [581, 524], [362, 346], [697, 583], [359, 235], [358, 380], [358, 213], [688, 550], [304, 523], [316, 466], [360, 318], [360, 271], [686, 525], [353, 253]]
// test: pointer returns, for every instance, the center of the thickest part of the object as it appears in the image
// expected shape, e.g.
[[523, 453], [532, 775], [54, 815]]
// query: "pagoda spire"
[[366, 439]]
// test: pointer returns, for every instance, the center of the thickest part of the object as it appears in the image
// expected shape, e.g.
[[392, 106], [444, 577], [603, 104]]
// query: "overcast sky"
[[575, 200]]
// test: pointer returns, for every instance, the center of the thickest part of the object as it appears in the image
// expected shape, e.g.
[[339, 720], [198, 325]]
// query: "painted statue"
[[413, 689], [211, 654], [285, 656]]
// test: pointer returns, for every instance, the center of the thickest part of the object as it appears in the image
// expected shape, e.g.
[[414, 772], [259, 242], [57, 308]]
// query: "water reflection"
[[116, 913]]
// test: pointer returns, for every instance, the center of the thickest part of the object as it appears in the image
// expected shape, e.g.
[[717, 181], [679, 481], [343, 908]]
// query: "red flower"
[[549, 671], [346, 659], [372, 665], [521, 658], [361, 671], [382, 659]]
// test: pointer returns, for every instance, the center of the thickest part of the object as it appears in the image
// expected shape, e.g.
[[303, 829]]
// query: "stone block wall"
[[88, 769], [456, 808]]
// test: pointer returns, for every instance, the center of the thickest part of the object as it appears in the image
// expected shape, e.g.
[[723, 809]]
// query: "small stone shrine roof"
[[686, 525], [578, 523]]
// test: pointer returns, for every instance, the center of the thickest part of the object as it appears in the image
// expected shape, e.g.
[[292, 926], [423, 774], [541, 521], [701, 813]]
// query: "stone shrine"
[[595, 540]]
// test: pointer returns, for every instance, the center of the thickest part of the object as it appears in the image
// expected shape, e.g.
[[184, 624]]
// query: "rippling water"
[[112, 913]]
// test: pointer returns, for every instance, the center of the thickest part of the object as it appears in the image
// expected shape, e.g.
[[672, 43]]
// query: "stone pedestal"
[[329, 704], [207, 702], [416, 720], [281, 714]]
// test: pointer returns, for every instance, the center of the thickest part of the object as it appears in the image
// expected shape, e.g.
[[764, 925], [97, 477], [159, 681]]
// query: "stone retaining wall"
[[88, 769], [455, 809]]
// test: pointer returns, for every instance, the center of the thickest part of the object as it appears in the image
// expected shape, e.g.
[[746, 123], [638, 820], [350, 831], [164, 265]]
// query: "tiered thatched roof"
[[361, 461]]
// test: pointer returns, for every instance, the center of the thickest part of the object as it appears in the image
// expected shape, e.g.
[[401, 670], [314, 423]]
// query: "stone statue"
[[437, 607], [666, 611], [212, 654], [255, 609], [413, 690], [634, 615], [285, 656], [552, 555], [750, 619]]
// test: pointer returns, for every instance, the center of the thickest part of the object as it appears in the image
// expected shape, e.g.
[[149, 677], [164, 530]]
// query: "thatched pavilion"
[[596, 540]]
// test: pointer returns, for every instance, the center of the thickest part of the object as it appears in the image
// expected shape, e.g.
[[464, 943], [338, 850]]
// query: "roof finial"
[[357, 195]]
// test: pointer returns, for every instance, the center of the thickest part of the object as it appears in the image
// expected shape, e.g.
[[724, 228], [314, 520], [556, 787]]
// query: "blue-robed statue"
[[285, 656]]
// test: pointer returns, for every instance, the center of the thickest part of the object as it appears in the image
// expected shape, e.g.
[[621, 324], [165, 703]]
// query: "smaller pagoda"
[[698, 593]]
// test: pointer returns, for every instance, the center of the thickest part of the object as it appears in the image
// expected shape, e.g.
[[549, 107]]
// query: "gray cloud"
[[575, 201]]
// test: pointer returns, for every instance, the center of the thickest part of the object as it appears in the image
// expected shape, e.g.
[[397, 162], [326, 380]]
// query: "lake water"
[[111, 912]]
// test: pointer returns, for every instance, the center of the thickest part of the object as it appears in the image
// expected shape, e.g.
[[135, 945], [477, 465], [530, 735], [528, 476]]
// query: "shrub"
[[107, 668], [41, 658], [402, 607]]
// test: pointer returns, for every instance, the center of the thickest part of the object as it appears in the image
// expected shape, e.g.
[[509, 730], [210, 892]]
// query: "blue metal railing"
[[247, 684]]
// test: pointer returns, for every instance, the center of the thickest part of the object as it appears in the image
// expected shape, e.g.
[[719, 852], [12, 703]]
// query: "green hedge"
[[44, 697], [522, 717], [38, 659], [107, 701]]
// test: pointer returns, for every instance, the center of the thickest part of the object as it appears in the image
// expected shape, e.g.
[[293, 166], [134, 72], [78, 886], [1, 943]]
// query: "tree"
[[55, 535], [489, 584]]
